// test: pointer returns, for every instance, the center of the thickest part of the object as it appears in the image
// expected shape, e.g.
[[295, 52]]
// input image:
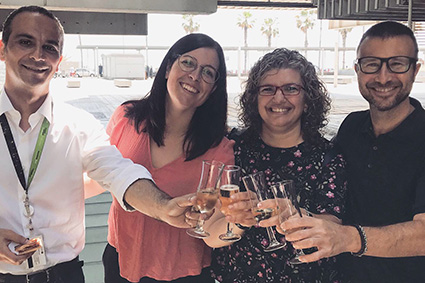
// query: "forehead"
[[36, 25], [281, 76], [205, 56], [387, 47]]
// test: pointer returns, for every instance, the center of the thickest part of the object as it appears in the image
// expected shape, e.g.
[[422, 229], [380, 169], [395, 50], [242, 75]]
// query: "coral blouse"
[[146, 246]]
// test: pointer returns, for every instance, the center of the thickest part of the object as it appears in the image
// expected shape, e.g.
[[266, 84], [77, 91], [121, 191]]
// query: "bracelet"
[[240, 226], [363, 239], [309, 214]]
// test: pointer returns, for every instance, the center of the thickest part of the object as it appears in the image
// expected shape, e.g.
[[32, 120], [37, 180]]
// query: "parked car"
[[82, 72]]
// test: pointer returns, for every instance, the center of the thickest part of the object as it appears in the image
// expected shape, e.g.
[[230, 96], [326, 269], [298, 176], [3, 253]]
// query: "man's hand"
[[328, 237], [7, 256], [176, 210]]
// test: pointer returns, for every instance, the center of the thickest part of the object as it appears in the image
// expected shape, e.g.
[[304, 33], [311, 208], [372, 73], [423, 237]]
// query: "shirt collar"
[[401, 130], [45, 109]]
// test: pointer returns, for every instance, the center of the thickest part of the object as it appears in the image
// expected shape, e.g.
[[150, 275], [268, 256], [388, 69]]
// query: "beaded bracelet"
[[363, 239]]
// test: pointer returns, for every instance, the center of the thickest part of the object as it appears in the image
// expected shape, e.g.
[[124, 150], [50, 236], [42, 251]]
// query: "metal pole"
[[409, 14]]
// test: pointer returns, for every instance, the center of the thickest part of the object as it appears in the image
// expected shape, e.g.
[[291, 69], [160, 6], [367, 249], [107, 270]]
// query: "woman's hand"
[[240, 209]]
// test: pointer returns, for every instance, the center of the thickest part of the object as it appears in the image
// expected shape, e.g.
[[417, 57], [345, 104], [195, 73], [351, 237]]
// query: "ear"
[[60, 60], [1, 51], [167, 72], [418, 66], [356, 68]]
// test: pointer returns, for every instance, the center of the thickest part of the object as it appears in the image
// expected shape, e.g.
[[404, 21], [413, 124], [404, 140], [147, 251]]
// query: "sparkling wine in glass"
[[207, 194], [287, 201], [230, 179], [256, 183]]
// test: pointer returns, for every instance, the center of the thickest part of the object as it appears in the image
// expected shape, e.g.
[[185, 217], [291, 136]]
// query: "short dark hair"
[[208, 124], [7, 30], [316, 96], [390, 29]]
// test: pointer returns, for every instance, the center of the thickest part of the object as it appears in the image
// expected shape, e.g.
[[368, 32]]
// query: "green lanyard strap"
[[14, 152]]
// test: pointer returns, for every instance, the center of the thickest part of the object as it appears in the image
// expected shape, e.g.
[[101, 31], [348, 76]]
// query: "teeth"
[[279, 110], [384, 89], [36, 70], [189, 88]]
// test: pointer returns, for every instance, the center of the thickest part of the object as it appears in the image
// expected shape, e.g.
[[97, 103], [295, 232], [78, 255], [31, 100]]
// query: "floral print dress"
[[321, 188]]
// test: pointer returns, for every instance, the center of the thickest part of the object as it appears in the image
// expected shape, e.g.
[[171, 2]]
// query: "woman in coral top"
[[181, 122]]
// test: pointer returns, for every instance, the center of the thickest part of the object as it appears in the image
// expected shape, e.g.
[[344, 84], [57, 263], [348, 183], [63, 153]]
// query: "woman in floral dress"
[[284, 108]]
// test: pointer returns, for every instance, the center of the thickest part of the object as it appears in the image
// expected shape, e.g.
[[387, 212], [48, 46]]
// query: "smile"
[[384, 89], [189, 88], [279, 110], [38, 70]]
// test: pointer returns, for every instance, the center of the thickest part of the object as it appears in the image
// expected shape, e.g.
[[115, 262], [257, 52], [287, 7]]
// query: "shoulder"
[[117, 118], [223, 152], [355, 119], [70, 116]]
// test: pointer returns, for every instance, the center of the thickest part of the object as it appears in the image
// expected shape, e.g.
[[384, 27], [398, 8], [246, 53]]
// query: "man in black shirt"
[[384, 226]]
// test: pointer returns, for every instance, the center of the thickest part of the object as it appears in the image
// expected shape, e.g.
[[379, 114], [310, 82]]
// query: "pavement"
[[100, 97]]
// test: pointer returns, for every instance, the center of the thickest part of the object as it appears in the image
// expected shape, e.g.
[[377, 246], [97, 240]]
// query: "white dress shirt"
[[76, 143]]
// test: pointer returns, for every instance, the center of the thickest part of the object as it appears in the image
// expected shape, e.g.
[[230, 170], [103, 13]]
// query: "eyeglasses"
[[396, 64], [189, 64], [287, 90]]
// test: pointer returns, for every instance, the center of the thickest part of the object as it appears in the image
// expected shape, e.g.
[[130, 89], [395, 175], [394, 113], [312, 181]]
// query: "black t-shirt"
[[386, 185]]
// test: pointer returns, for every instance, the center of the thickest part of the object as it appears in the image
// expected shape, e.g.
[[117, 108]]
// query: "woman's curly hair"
[[317, 99]]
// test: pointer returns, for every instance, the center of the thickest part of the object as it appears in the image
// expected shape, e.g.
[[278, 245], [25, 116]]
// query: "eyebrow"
[[28, 36]]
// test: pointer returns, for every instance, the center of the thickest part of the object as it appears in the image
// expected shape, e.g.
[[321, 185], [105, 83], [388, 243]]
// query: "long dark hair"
[[313, 120], [208, 124]]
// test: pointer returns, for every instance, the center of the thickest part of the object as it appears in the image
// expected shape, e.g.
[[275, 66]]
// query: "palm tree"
[[189, 25], [245, 22], [269, 30], [344, 32], [305, 21]]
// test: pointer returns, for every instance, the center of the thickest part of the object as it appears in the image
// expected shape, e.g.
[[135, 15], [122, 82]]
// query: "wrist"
[[240, 226], [360, 242]]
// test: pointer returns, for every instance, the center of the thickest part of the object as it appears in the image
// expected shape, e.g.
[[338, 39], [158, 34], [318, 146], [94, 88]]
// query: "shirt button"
[[375, 147], [369, 166]]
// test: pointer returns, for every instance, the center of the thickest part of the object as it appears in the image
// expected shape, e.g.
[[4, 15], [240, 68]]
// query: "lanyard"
[[29, 210]]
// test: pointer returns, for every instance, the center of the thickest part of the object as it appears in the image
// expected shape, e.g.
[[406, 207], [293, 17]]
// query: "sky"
[[165, 29]]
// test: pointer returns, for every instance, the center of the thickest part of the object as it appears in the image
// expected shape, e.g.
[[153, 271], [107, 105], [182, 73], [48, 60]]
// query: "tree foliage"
[[269, 30], [189, 25]]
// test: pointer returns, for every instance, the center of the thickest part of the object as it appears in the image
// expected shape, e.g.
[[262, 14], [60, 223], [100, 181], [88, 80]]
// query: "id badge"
[[39, 256]]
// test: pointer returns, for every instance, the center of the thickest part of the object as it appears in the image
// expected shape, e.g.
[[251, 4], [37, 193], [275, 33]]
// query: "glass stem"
[[271, 235]]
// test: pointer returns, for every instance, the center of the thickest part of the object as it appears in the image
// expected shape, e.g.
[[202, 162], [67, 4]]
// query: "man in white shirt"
[[45, 148]]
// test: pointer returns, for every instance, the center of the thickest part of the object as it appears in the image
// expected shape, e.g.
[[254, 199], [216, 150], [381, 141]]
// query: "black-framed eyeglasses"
[[287, 89], [396, 64], [189, 64]]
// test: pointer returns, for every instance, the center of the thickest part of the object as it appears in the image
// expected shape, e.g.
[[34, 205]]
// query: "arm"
[[398, 240], [148, 199], [91, 187]]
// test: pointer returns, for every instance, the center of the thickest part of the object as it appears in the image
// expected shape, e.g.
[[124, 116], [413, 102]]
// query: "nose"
[[384, 75], [196, 74], [279, 96], [37, 54]]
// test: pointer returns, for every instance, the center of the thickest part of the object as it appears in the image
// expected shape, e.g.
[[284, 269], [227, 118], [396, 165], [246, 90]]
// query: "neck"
[[25, 102], [386, 121], [282, 139], [177, 122]]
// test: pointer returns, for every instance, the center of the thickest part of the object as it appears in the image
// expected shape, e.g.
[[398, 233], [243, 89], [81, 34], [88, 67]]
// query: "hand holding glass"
[[229, 186], [287, 201], [207, 194], [257, 184]]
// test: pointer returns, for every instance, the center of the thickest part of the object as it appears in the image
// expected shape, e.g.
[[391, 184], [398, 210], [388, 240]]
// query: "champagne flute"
[[229, 186], [286, 198], [207, 194], [257, 184]]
